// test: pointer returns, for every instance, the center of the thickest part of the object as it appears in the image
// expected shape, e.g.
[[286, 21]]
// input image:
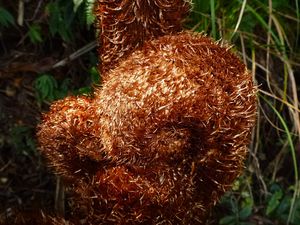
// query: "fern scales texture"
[[166, 134]]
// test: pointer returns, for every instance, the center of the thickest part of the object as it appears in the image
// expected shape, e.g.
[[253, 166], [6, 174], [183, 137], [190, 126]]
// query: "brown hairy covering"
[[161, 141], [124, 25]]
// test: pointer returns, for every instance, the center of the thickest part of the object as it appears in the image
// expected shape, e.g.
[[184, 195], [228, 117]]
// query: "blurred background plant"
[[47, 51], [266, 36]]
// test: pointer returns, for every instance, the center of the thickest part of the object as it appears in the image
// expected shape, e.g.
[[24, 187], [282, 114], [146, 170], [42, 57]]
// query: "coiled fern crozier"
[[166, 134]]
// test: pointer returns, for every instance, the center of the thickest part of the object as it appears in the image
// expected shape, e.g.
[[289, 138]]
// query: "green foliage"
[[278, 205], [274, 201], [22, 139], [266, 35], [95, 80], [64, 15], [64, 18], [225, 14], [48, 89], [88, 6], [240, 208], [95, 77], [278, 208], [90, 17], [35, 34], [6, 18], [77, 3], [61, 17]]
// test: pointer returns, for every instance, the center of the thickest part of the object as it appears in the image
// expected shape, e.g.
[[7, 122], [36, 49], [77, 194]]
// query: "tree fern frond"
[[89, 10]]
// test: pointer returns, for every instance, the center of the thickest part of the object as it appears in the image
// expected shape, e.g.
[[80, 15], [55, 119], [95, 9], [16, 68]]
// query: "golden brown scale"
[[164, 137], [125, 25]]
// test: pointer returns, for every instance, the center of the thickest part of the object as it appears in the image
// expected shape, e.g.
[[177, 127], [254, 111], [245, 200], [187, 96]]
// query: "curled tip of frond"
[[168, 130], [167, 133], [125, 26]]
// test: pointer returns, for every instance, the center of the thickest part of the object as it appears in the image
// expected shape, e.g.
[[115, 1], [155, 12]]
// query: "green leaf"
[[6, 18], [45, 86], [84, 91], [246, 223], [247, 206], [227, 220], [90, 17], [54, 17], [274, 202], [77, 3], [94, 75], [284, 206], [275, 187], [60, 20], [245, 212], [34, 34]]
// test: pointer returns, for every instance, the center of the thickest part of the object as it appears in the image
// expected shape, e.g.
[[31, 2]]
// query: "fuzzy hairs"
[[166, 134]]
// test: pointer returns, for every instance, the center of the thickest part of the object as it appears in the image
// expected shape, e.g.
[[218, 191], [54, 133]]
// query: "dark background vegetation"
[[47, 51]]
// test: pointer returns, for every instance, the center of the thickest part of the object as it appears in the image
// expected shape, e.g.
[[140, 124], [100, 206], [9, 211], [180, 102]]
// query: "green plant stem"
[[293, 153], [263, 23], [240, 18]]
